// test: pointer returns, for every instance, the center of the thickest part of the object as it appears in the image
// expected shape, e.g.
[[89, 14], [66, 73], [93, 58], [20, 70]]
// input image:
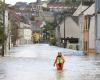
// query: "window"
[[86, 23], [85, 45]]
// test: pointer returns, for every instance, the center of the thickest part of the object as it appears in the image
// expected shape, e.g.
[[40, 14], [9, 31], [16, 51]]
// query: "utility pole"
[[64, 33], [3, 45], [58, 28]]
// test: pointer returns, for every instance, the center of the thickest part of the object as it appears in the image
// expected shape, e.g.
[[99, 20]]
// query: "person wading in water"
[[59, 61]]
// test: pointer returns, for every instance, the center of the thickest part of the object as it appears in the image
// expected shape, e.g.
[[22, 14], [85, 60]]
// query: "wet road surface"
[[35, 62]]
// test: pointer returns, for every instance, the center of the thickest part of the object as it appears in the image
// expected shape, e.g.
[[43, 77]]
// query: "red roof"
[[57, 4], [15, 16], [39, 23]]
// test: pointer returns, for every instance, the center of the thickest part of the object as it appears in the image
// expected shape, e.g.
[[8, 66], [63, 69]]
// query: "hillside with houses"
[[70, 24]]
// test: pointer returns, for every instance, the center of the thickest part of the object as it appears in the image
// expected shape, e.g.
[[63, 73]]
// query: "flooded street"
[[35, 62]]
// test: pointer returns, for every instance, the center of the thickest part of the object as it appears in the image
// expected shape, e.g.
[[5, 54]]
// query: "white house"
[[97, 26], [24, 34], [98, 33], [57, 6], [87, 28], [71, 31], [71, 28], [92, 28], [78, 13]]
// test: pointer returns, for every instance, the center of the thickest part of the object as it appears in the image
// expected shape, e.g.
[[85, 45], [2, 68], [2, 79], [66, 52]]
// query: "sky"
[[14, 1]]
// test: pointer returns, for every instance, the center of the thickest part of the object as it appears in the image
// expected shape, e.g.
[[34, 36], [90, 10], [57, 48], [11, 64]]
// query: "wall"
[[24, 34], [81, 25], [92, 33], [92, 41], [27, 34], [98, 34], [71, 28]]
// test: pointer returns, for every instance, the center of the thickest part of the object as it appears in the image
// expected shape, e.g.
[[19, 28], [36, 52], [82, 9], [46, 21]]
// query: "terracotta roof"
[[39, 23], [14, 16], [57, 4]]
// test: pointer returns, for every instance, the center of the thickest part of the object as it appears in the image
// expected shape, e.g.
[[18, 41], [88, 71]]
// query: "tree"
[[48, 30], [72, 2], [14, 20], [1, 34], [14, 33]]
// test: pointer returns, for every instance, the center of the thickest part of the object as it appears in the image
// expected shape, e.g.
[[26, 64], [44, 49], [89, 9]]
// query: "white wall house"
[[98, 34], [92, 28], [97, 26], [24, 34], [80, 16], [71, 30], [87, 28]]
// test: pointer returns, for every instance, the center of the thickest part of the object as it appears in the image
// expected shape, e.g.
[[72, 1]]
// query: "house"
[[14, 23], [56, 0], [56, 6], [89, 30], [21, 5], [11, 25], [68, 32], [20, 27], [38, 8], [78, 12], [97, 13], [86, 14], [32, 6], [49, 16], [8, 29], [24, 34]]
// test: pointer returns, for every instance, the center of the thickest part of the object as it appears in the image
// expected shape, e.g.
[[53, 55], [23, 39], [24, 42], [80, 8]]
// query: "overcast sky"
[[14, 1]]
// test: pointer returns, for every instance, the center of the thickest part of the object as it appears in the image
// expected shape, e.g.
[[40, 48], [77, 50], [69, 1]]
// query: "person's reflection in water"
[[60, 75]]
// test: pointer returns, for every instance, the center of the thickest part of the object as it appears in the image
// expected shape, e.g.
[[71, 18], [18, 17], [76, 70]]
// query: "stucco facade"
[[71, 28], [87, 28], [24, 34], [68, 31], [98, 33]]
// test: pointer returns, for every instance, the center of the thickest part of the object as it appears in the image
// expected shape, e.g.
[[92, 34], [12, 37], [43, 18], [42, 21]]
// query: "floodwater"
[[35, 62]]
